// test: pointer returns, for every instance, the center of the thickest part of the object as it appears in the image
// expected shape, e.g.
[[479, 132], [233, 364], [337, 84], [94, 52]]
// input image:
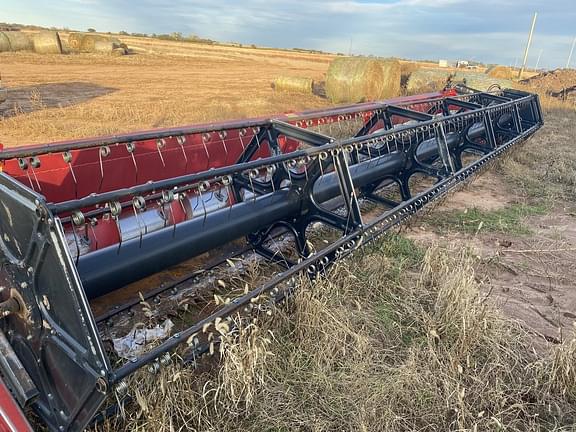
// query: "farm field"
[[464, 319], [164, 84]]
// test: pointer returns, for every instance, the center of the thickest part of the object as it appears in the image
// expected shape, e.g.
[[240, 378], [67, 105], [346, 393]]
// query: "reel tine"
[[160, 144], [67, 156], [115, 211], [78, 219], [23, 164], [205, 139], [139, 205], [222, 135], [35, 163], [103, 152], [181, 198], [181, 140], [252, 174], [321, 158], [203, 187], [241, 135], [130, 148], [93, 223]]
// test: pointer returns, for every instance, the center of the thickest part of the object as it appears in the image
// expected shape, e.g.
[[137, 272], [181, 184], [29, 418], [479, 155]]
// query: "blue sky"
[[485, 30]]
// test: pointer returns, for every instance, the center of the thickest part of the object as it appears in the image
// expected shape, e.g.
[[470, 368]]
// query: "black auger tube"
[[108, 269]]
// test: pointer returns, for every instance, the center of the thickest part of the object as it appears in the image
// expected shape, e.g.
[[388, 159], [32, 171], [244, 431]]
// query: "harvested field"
[[176, 84]]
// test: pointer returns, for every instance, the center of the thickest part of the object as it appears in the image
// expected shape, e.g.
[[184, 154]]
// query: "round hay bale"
[[89, 42], [19, 41], [103, 46], [293, 85], [118, 52], [426, 80], [480, 81], [407, 69], [357, 79], [47, 42], [503, 72], [4, 43], [75, 41]]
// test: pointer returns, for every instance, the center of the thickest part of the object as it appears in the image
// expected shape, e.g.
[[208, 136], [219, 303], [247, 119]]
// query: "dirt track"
[[528, 276]]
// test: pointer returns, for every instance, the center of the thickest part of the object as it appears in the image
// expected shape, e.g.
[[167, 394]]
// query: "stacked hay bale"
[[288, 84], [498, 71], [480, 81], [358, 79], [91, 43], [424, 80], [427, 80], [18, 41], [75, 40], [4, 43], [47, 42]]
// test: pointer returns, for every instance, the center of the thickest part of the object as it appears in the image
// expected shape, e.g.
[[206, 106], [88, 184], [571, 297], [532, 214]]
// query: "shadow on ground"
[[27, 99]]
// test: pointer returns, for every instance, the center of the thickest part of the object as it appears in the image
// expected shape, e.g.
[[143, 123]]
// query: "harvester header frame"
[[66, 208]]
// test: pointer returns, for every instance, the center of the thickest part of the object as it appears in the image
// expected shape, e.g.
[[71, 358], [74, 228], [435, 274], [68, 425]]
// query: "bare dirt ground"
[[530, 274]]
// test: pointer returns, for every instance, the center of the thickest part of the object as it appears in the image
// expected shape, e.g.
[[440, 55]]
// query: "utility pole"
[[570, 55], [528, 45], [539, 57]]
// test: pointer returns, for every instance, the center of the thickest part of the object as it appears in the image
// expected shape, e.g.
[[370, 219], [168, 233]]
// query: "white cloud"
[[489, 30]]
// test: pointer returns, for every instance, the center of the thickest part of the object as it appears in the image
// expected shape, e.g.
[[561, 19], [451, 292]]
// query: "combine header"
[[99, 234]]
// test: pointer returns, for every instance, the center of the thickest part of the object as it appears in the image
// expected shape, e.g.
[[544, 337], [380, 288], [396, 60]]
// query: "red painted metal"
[[12, 418], [219, 144], [137, 158]]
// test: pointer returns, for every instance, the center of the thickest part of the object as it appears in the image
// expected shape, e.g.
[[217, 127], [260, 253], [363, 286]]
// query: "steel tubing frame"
[[55, 335]]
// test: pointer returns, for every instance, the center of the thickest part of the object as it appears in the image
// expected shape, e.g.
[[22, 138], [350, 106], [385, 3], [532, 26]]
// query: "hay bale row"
[[288, 84], [75, 40], [423, 80], [91, 43], [16, 41], [45, 42], [358, 79], [433, 80], [483, 82], [4, 43]]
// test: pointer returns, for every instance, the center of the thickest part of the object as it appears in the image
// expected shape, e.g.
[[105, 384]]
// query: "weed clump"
[[508, 220]]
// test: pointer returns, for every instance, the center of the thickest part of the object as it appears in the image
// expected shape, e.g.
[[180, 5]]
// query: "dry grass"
[[385, 344], [545, 167]]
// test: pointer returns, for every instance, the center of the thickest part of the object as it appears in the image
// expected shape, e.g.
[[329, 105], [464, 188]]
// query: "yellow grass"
[[165, 84]]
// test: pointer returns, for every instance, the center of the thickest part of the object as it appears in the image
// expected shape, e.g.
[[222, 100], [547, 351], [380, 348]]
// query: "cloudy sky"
[[486, 30]]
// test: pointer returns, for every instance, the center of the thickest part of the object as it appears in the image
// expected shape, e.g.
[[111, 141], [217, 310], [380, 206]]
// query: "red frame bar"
[[12, 419]]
